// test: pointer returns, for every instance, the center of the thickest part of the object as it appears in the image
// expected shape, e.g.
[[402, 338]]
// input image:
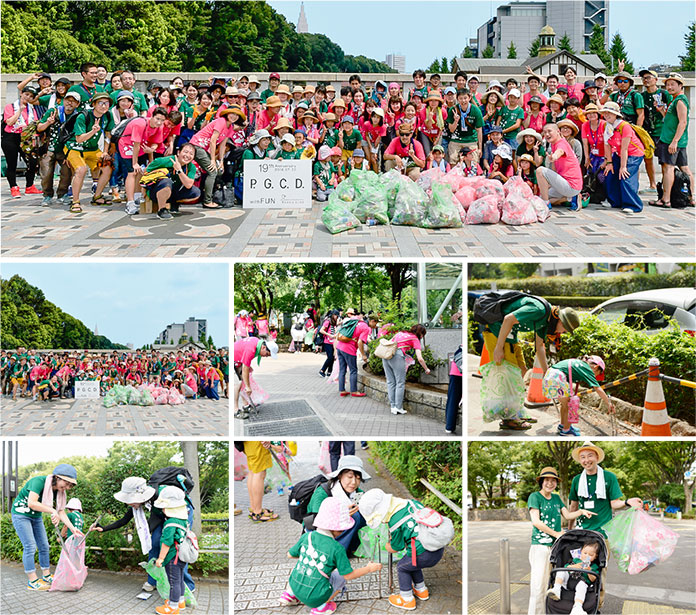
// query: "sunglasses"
[[622, 81]]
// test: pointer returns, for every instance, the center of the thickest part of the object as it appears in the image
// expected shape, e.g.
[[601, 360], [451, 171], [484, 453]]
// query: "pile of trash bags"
[[143, 395], [436, 200]]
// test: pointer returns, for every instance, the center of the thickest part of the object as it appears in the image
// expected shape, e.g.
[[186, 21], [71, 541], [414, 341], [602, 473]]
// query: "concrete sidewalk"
[[103, 592], [302, 403], [89, 417], [262, 568]]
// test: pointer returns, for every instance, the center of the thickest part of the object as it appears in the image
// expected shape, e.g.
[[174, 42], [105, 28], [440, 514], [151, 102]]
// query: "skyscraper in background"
[[397, 62], [302, 20]]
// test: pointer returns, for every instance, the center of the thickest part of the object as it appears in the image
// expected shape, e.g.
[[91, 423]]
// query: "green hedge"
[[583, 286], [440, 463], [414, 371], [11, 548], [575, 302]]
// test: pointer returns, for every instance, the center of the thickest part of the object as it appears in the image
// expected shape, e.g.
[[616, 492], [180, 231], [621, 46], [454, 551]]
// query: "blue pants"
[[623, 193], [178, 192], [211, 392], [454, 396], [395, 373], [335, 452], [239, 188], [328, 364], [349, 540], [154, 552], [175, 575], [32, 534], [409, 574], [347, 362]]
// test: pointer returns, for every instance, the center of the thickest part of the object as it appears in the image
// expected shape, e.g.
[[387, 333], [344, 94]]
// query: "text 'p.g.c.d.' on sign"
[[282, 184]]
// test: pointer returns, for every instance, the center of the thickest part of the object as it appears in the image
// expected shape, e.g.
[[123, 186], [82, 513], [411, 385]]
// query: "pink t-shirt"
[[635, 147], [140, 131], [595, 138], [454, 370], [362, 332], [190, 381], [27, 116], [245, 350], [575, 91], [375, 132], [434, 130], [536, 123], [264, 121], [395, 148], [404, 340], [528, 95], [567, 166], [166, 132], [202, 137]]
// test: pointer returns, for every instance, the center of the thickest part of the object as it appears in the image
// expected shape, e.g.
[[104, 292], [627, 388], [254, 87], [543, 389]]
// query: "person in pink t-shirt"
[[347, 350], [564, 181], [395, 368], [245, 351]]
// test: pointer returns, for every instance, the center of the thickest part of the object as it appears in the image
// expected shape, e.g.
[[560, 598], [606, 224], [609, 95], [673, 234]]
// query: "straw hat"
[[254, 79], [329, 117], [234, 110], [555, 98], [569, 124], [231, 91], [273, 101], [339, 103], [309, 89], [591, 108], [611, 107], [434, 95], [134, 490], [675, 77], [587, 446], [549, 472], [333, 515], [298, 89], [484, 97], [283, 122], [528, 132], [311, 115], [527, 157], [283, 89]]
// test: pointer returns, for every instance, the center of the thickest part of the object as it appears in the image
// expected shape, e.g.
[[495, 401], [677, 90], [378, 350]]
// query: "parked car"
[[651, 310]]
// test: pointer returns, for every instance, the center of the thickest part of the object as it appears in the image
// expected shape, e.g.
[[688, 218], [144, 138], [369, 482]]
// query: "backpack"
[[187, 550], [169, 476], [386, 349], [593, 187], [119, 129], [458, 356], [301, 494], [434, 531], [66, 131], [680, 195], [347, 330], [488, 308], [645, 139]]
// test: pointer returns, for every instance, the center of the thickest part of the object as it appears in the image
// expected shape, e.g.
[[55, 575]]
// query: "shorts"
[[77, 159], [558, 185], [19, 381], [678, 159], [555, 384], [126, 164], [258, 457]]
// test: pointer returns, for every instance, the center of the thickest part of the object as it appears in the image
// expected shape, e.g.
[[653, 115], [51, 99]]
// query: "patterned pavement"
[[31, 230], [88, 417]]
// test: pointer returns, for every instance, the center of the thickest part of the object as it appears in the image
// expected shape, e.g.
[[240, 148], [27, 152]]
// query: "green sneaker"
[[38, 585]]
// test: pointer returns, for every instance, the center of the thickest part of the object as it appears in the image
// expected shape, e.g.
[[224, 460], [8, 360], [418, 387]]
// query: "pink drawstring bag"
[[574, 401], [241, 467], [71, 572], [258, 395], [325, 458]]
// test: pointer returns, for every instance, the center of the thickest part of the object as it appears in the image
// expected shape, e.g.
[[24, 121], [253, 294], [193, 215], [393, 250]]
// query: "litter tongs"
[[84, 537]]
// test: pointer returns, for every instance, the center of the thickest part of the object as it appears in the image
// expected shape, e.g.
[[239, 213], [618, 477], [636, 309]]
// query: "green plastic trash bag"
[[146, 398], [345, 191], [372, 203], [442, 209], [372, 544], [338, 217], [391, 181], [160, 577], [502, 392], [411, 205], [110, 399], [361, 180]]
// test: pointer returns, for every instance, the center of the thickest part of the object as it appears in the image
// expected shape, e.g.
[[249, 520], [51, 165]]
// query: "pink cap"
[[333, 515], [394, 84], [599, 362], [336, 151]]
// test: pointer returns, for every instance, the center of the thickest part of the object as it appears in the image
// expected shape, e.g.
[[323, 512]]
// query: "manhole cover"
[[281, 410], [300, 427]]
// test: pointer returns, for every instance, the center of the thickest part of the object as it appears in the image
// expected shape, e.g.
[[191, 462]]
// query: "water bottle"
[[371, 221]]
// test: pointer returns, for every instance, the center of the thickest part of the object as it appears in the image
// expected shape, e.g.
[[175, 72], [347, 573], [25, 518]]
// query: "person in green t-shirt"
[[41, 494], [88, 87], [349, 137], [465, 125], [628, 98], [596, 490], [128, 82], [74, 511], [545, 511], [323, 568], [511, 118]]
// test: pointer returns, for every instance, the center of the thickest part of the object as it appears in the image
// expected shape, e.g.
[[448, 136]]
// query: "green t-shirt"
[[167, 162], [600, 506], [549, 514], [53, 130], [582, 372], [325, 555], [173, 531], [19, 370], [401, 536], [83, 124], [522, 149], [293, 155], [331, 137], [472, 122], [266, 93], [20, 505], [593, 567], [353, 140], [324, 173], [671, 121], [654, 119], [86, 94], [139, 102], [508, 117], [77, 520], [531, 316], [629, 103]]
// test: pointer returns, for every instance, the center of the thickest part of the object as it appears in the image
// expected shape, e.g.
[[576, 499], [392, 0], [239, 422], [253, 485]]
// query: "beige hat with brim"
[[180, 512], [528, 132], [675, 77], [588, 446], [484, 97], [569, 124], [611, 107]]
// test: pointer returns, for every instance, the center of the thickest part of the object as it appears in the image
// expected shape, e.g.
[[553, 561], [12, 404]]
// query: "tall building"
[[520, 22], [194, 329], [397, 62], [302, 20]]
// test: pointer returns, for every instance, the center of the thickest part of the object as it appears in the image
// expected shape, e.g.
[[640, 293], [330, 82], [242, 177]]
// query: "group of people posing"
[[52, 375], [182, 139]]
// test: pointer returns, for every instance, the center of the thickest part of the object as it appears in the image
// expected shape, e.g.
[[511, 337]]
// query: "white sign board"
[[277, 184], [87, 389]]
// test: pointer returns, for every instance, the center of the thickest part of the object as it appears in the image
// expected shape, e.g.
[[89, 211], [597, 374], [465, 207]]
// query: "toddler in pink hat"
[[323, 567]]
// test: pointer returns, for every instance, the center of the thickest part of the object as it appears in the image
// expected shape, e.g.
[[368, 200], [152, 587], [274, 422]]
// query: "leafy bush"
[[440, 463], [414, 372], [670, 494]]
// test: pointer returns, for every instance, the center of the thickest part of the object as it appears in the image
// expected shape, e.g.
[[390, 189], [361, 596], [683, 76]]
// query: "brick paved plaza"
[[28, 229], [89, 417], [261, 567]]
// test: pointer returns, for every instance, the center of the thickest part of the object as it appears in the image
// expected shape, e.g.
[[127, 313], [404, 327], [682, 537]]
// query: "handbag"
[[386, 349], [574, 401]]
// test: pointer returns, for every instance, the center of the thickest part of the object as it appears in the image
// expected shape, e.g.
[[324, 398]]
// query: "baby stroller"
[[561, 556]]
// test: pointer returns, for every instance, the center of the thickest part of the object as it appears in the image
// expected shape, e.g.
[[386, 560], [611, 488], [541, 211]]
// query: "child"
[[74, 511], [468, 162], [335, 158], [287, 148], [586, 561], [190, 384], [511, 117], [358, 161], [172, 500], [324, 174], [535, 118], [331, 132], [437, 159], [379, 507], [318, 552], [349, 137], [374, 131], [501, 167], [527, 171], [310, 124], [556, 385]]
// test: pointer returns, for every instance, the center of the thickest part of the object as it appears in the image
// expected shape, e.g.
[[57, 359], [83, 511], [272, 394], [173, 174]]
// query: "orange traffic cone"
[[484, 359], [655, 417], [535, 396]]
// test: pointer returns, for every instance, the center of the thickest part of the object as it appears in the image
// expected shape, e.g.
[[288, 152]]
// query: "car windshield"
[[638, 314]]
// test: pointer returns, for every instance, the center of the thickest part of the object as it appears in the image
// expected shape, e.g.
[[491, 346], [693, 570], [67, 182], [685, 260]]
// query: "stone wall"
[[499, 514]]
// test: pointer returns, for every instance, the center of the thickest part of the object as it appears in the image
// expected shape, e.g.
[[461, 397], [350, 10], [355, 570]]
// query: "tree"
[[518, 270], [482, 271], [210, 343], [687, 60], [189, 448], [453, 65], [467, 52], [400, 274], [512, 51], [488, 52], [492, 469], [564, 44], [598, 45], [617, 51], [434, 67], [444, 65]]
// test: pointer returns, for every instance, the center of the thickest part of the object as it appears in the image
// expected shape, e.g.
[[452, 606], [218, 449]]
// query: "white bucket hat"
[[350, 462], [134, 490], [173, 501], [374, 506], [74, 504]]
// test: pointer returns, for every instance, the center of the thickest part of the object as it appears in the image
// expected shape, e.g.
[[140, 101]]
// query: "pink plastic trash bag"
[[483, 211], [516, 185], [241, 465], [491, 187], [71, 572], [428, 177], [466, 195], [175, 398], [540, 207], [258, 395], [518, 210]]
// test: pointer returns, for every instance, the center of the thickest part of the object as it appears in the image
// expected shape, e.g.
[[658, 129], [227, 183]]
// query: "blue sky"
[[134, 302], [381, 27]]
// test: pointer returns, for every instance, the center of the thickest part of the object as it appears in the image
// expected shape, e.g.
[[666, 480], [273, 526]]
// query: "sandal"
[[75, 208], [208, 206], [269, 512], [515, 425], [528, 419], [261, 517], [99, 200], [660, 203], [241, 414]]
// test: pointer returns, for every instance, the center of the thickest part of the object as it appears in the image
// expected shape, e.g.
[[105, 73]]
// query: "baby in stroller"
[[578, 558]]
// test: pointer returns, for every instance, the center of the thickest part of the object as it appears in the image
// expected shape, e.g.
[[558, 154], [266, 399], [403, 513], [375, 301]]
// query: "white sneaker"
[[605, 204], [551, 593], [132, 208], [577, 609], [398, 411], [147, 587], [626, 210]]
